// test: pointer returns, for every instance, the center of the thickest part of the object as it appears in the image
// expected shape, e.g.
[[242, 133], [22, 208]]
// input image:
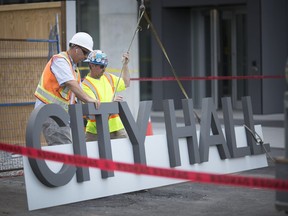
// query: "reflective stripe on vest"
[[93, 88], [50, 98], [92, 118]]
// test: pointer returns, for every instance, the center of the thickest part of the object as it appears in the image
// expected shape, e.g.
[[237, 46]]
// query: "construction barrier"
[[149, 131], [22, 62]]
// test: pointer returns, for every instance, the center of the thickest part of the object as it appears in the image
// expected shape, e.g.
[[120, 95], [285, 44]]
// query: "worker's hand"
[[97, 104], [95, 101], [118, 98], [125, 58]]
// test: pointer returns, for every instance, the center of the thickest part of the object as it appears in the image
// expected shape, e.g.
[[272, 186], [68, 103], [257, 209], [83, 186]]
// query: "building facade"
[[222, 38], [226, 48]]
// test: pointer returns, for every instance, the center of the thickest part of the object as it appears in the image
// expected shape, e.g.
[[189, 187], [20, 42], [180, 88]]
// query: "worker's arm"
[[125, 70], [80, 94]]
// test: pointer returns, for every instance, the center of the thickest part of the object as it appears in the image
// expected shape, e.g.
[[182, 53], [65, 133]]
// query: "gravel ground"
[[10, 164]]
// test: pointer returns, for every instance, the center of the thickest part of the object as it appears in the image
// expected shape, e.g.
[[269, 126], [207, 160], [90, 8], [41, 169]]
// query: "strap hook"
[[142, 6]]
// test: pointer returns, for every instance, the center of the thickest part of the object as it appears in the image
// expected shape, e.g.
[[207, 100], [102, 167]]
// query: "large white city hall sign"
[[211, 149]]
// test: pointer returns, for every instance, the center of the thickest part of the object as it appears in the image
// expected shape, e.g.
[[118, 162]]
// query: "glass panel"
[[208, 63], [241, 39], [145, 61], [88, 21], [219, 48], [201, 54], [226, 57], [88, 18], [233, 55]]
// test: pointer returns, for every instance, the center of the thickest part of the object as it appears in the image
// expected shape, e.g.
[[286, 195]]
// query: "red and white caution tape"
[[248, 77], [81, 161]]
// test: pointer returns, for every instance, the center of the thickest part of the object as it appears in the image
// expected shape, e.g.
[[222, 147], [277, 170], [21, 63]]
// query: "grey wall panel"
[[254, 54], [176, 28], [274, 18]]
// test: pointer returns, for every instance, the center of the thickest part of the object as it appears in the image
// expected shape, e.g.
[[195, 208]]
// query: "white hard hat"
[[82, 39]]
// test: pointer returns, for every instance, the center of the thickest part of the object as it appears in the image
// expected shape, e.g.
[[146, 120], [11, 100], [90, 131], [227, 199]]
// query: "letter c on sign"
[[33, 133]]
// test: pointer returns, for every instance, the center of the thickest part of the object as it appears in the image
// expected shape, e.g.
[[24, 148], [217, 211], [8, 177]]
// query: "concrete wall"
[[117, 23], [70, 20], [118, 20]]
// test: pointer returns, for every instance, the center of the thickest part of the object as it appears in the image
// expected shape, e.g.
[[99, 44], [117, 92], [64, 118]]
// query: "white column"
[[118, 20], [70, 20]]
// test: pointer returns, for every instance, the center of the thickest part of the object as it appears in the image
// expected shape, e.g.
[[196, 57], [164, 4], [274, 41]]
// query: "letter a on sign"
[[211, 121]]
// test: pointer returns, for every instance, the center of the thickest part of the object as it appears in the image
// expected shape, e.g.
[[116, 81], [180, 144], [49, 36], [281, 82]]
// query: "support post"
[[281, 170]]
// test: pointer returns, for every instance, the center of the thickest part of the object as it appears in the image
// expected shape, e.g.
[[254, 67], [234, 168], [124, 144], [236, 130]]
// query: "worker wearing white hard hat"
[[83, 40], [60, 84]]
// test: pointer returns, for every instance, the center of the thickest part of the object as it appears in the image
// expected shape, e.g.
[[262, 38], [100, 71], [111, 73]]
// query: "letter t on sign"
[[104, 143]]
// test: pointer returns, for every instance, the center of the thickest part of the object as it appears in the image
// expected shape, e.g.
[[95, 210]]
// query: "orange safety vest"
[[49, 90]]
